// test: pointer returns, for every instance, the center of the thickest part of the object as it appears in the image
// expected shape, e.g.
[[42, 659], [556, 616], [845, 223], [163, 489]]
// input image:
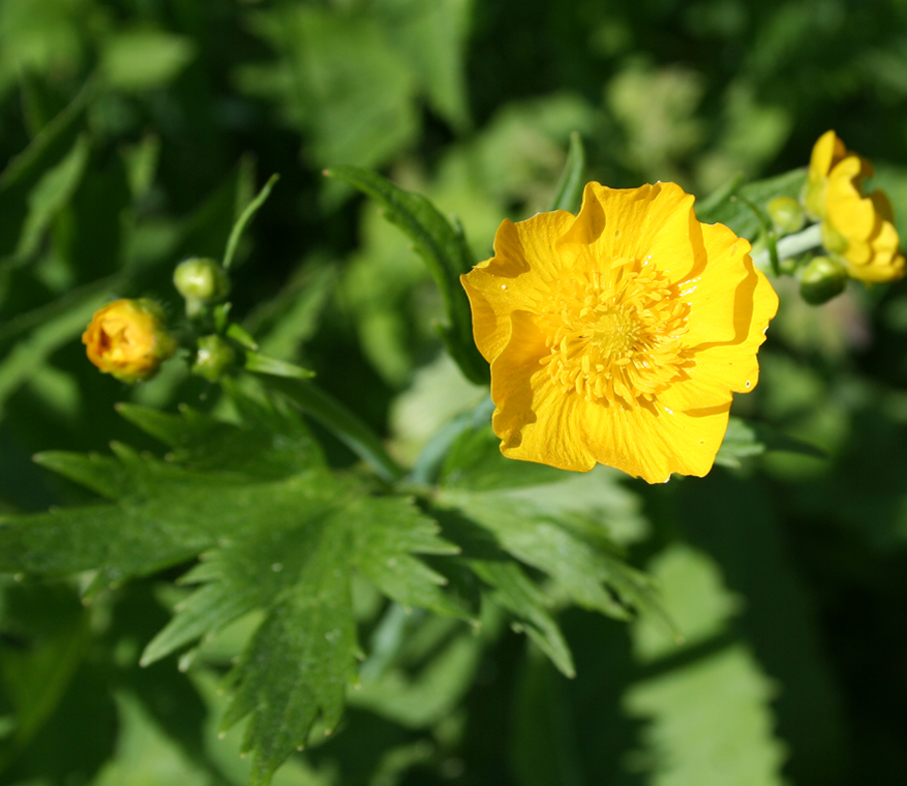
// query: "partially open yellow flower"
[[858, 228], [127, 339], [618, 335]]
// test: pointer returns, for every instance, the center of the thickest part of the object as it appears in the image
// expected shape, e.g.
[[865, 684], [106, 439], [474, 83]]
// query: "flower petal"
[[651, 443], [534, 419], [649, 222], [729, 294], [827, 151], [518, 275]]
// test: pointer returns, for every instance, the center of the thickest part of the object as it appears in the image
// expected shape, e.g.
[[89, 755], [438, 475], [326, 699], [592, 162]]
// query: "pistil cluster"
[[615, 336]]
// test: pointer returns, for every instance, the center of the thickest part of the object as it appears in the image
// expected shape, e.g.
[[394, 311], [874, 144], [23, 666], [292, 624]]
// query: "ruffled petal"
[[517, 276], [827, 151], [534, 419], [651, 443], [651, 222], [729, 295]]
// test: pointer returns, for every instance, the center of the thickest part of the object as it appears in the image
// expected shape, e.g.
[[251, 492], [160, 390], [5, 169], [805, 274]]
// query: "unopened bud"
[[786, 214], [128, 339], [213, 358], [201, 280], [822, 279]]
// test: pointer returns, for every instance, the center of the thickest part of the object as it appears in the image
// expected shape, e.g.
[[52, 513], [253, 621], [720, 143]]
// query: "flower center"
[[616, 336]]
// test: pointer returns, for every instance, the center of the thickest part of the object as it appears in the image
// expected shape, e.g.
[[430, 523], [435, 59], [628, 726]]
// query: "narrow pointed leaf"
[[442, 247]]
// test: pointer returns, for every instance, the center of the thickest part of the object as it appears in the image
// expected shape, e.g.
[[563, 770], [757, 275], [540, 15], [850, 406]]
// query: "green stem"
[[792, 245], [352, 431]]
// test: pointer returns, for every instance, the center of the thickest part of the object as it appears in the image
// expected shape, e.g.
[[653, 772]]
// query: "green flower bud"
[[201, 280], [786, 214], [213, 358], [822, 279]]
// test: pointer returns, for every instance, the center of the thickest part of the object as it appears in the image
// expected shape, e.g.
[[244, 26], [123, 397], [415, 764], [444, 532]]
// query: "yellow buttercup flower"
[[617, 336], [127, 339], [856, 227]]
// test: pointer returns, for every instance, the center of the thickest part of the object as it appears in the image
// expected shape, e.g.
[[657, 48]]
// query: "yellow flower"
[[617, 336], [858, 228], [127, 339]]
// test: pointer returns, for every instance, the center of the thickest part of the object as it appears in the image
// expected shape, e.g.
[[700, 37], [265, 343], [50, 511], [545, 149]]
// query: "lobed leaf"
[[298, 663]]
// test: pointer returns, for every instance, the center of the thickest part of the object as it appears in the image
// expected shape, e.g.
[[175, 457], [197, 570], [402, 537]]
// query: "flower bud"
[[213, 358], [201, 280], [786, 214], [822, 279], [128, 339]]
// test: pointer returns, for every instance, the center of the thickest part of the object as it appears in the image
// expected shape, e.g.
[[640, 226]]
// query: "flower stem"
[[792, 245], [352, 431]]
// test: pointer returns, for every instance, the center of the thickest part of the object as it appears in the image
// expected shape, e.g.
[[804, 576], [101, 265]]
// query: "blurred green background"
[[131, 133]]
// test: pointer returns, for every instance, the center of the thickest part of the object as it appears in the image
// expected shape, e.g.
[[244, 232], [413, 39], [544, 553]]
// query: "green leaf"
[[744, 439], [244, 218], [708, 708], [738, 216], [144, 59], [388, 531], [262, 364], [270, 540], [51, 193], [298, 664], [506, 584], [271, 441], [577, 555], [339, 78], [433, 37], [570, 186], [442, 247], [253, 565], [514, 591]]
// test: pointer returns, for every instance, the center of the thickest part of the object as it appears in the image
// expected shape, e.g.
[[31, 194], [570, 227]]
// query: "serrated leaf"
[[251, 567], [270, 442], [513, 590], [442, 247], [548, 519], [582, 568], [387, 532], [102, 474], [298, 664], [506, 583], [708, 707], [168, 516]]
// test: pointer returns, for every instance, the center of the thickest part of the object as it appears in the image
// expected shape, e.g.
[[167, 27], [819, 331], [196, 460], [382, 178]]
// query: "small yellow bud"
[[128, 339], [822, 279], [786, 214], [213, 358], [201, 280]]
